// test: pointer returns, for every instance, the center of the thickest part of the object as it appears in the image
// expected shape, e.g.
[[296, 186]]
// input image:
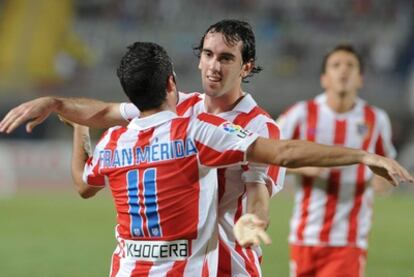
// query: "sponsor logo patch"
[[235, 129]]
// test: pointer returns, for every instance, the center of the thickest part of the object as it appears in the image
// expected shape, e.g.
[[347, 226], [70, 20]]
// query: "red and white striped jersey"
[[234, 259], [336, 209], [161, 171]]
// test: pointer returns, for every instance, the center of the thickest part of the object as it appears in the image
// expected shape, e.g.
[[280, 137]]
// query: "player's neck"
[[150, 112], [341, 104], [224, 103]]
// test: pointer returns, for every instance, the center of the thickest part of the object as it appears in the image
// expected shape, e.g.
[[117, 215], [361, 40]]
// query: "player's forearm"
[[258, 200], [299, 153], [89, 112], [80, 154]]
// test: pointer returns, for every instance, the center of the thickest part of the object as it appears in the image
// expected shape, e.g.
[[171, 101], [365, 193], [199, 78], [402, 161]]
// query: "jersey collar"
[[245, 105], [322, 99], [152, 120]]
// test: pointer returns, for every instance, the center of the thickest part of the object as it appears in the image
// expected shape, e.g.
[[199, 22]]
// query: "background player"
[[227, 57], [333, 208]]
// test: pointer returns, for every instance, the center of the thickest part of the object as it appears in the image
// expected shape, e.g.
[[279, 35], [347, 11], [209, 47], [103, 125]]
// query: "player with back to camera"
[[227, 57]]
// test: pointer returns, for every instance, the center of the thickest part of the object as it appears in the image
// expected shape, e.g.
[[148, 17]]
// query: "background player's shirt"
[[336, 209], [161, 171], [232, 201]]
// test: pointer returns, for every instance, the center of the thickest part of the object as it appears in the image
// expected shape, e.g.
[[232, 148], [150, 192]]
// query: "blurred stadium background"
[[72, 48]]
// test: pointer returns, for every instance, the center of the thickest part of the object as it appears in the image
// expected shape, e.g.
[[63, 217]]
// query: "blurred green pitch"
[[58, 234]]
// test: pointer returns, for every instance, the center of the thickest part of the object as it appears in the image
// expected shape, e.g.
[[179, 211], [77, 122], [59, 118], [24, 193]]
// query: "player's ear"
[[171, 86], [246, 69]]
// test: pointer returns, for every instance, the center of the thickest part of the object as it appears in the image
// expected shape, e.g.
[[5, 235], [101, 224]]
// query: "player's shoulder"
[[188, 101], [210, 119], [380, 113], [258, 116], [110, 135], [299, 107], [185, 96]]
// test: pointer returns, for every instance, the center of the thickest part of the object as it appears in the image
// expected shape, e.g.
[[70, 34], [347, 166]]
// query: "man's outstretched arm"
[[89, 112], [300, 153]]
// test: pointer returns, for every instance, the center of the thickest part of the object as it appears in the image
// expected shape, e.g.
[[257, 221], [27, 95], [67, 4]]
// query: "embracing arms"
[[89, 112]]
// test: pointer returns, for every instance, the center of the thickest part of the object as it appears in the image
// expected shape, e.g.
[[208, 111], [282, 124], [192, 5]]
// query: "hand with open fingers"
[[389, 169], [249, 230], [34, 112]]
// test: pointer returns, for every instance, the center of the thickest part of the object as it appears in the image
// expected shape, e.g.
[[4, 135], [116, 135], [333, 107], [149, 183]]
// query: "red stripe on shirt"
[[179, 128], [141, 269], [248, 264], [115, 264], [184, 106], [177, 269], [224, 261], [243, 119], [212, 119], [210, 157], [239, 209], [206, 271], [379, 146], [370, 121], [312, 119], [178, 204], [274, 133], [97, 178], [333, 185], [307, 189]]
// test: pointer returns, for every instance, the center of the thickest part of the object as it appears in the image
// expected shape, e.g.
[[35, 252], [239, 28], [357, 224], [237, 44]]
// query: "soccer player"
[[227, 57], [160, 169], [333, 208]]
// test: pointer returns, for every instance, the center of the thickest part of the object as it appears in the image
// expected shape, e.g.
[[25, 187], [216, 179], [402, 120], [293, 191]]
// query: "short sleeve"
[[92, 174], [128, 111], [290, 120], [384, 145], [270, 175], [220, 143]]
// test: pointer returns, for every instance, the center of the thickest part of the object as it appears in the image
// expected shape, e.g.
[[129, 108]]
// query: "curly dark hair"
[[143, 73], [234, 31]]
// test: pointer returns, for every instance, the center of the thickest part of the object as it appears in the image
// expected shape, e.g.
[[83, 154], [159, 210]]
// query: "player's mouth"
[[214, 79]]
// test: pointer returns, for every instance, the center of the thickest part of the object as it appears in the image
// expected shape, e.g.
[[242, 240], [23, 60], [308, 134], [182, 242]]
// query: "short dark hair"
[[143, 73], [234, 31], [347, 48]]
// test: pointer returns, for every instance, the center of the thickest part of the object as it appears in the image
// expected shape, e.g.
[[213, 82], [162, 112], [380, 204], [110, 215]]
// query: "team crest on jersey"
[[235, 129], [362, 129]]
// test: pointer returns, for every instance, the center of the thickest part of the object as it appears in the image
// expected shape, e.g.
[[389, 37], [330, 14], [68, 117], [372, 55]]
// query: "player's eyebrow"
[[227, 55]]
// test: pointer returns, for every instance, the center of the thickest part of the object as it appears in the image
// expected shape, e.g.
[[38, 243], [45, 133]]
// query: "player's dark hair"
[[346, 48], [143, 73], [234, 31]]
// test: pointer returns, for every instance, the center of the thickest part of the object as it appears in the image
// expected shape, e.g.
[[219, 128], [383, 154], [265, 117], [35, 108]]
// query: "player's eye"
[[226, 59], [207, 53]]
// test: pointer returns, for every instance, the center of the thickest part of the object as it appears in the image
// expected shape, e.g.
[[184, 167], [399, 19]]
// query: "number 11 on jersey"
[[142, 202]]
